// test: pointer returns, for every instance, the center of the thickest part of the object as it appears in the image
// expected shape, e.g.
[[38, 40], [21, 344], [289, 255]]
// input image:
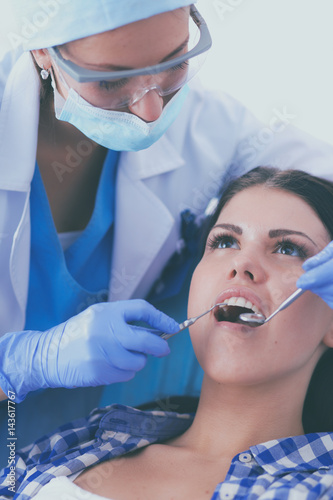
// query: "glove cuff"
[[19, 363], [9, 390]]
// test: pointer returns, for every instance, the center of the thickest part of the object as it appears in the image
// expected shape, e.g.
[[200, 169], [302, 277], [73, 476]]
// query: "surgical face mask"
[[115, 130]]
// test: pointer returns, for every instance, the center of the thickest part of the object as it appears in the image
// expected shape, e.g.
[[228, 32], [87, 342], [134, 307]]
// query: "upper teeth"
[[241, 302]]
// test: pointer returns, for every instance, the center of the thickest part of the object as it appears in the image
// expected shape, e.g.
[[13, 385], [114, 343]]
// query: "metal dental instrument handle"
[[182, 326], [189, 322], [254, 319]]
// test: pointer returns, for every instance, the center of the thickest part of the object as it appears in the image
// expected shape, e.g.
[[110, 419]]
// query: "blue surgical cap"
[[46, 23]]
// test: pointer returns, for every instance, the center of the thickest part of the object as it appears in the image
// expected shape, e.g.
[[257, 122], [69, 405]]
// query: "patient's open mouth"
[[232, 308]]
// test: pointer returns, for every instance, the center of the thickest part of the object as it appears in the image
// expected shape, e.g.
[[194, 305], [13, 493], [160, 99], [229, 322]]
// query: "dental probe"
[[189, 322], [182, 326]]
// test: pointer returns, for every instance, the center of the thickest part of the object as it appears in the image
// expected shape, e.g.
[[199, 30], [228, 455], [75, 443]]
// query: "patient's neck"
[[231, 419]]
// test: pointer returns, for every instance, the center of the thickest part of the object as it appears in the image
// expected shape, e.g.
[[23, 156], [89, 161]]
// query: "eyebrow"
[[230, 227], [112, 67], [273, 233], [178, 49]]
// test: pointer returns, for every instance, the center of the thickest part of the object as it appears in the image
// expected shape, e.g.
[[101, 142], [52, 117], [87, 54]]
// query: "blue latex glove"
[[318, 276], [96, 347]]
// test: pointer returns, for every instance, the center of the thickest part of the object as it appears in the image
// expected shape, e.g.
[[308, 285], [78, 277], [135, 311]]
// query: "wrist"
[[5, 387], [19, 369]]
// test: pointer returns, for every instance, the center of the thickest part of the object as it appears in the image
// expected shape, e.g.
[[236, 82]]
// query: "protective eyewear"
[[117, 89]]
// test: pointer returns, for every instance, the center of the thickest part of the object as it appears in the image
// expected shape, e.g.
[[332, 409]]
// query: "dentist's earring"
[[44, 73]]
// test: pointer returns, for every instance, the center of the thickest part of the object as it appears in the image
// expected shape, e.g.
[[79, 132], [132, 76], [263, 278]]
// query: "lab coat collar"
[[160, 158], [19, 126]]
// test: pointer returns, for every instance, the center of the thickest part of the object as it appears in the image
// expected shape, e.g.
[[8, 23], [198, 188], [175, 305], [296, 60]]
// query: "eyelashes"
[[181, 66], [113, 85], [285, 246], [289, 247], [218, 240]]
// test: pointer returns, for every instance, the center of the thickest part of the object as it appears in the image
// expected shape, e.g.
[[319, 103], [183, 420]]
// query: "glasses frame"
[[84, 75]]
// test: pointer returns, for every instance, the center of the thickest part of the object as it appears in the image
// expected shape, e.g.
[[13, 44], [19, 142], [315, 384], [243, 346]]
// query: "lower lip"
[[235, 327]]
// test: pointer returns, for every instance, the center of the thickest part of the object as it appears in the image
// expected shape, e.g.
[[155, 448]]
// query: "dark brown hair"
[[316, 192]]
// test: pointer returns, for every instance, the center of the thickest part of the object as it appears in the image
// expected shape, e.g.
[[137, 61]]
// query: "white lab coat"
[[208, 142]]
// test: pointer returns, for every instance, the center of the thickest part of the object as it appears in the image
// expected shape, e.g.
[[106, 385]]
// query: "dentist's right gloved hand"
[[318, 276], [96, 347]]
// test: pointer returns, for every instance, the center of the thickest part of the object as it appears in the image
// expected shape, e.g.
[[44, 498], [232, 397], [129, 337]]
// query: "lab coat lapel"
[[145, 232], [19, 126], [18, 143]]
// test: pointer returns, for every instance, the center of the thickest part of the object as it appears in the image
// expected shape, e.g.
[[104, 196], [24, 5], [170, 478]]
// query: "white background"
[[268, 54]]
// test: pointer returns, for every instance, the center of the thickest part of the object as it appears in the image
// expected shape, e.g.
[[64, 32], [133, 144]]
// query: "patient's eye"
[[289, 247], [222, 241]]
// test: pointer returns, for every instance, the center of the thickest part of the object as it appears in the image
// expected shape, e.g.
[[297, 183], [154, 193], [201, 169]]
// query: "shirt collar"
[[152, 425], [298, 453]]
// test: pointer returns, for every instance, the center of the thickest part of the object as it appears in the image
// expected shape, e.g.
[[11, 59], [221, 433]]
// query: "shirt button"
[[226, 495], [245, 457]]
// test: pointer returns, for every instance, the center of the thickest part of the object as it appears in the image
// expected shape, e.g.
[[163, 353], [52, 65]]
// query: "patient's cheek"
[[196, 299]]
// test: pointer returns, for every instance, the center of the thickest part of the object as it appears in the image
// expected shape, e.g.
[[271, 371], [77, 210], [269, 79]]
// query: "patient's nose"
[[247, 266]]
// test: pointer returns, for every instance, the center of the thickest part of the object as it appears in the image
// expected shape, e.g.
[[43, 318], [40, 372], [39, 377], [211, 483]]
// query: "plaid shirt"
[[293, 468]]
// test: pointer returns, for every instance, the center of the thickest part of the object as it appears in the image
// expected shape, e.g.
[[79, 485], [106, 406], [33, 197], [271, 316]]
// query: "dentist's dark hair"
[[318, 194], [45, 89]]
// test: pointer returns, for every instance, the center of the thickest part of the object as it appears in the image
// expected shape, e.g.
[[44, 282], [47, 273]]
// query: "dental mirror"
[[257, 319]]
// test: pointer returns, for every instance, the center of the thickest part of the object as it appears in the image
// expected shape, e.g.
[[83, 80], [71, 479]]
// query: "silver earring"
[[44, 73]]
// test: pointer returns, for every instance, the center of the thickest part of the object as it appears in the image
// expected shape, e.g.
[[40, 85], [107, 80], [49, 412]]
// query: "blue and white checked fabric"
[[293, 468]]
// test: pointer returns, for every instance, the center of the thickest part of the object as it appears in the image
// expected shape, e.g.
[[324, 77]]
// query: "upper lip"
[[244, 292]]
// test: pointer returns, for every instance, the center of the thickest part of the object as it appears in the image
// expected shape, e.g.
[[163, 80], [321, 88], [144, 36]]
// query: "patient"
[[264, 423]]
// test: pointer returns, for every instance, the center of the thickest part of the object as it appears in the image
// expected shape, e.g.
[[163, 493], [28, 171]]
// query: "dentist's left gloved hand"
[[97, 347], [318, 276]]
